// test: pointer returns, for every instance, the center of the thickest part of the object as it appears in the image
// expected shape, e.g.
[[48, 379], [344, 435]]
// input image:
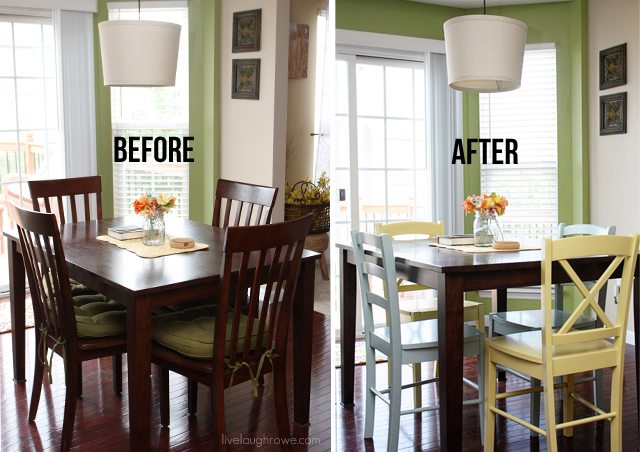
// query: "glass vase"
[[486, 229], [153, 230]]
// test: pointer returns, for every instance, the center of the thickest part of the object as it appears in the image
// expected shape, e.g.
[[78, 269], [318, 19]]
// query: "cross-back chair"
[[242, 204], [235, 341], [403, 343], [75, 330], [412, 310], [566, 350], [510, 322]]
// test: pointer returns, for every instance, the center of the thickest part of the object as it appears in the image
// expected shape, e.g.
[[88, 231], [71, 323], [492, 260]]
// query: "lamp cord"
[[484, 3], [139, 10]]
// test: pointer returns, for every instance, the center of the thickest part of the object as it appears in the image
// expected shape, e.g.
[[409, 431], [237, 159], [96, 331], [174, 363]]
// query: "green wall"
[[204, 124]]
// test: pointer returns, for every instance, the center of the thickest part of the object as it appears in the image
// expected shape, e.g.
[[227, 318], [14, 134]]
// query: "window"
[[153, 112], [529, 115]]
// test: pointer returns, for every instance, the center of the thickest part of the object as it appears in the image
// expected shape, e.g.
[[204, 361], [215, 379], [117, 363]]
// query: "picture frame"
[[247, 26], [613, 114], [245, 79], [613, 66], [298, 50]]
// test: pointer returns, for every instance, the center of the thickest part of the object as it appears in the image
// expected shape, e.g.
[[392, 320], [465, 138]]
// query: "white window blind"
[[152, 112], [528, 114]]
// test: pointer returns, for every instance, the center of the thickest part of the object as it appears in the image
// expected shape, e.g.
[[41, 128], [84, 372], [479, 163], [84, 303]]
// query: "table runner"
[[137, 247]]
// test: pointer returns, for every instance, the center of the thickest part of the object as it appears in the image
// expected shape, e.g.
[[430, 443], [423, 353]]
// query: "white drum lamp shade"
[[484, 52], [139, 52]]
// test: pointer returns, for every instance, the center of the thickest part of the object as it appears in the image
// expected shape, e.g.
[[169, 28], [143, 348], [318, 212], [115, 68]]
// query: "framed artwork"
[[246, 31], [613, 66], [298, 50], [613, 114], [246, 79]]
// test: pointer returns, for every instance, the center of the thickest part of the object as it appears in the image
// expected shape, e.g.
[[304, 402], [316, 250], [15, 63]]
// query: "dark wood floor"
[[102, 417], [420, 432]]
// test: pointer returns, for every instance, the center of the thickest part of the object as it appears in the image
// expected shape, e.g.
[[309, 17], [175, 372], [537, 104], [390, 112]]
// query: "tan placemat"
[[136, 247], [484, 249]]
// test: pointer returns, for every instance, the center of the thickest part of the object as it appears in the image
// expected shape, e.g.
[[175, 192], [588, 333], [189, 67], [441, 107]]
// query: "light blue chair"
[[402, 343]]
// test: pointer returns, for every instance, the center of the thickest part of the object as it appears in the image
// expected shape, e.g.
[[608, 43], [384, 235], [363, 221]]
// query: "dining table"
[[144, 284], [452, 273]]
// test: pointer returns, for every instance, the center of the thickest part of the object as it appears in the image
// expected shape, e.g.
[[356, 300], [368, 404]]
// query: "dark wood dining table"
[[145, 284], [452, 273]]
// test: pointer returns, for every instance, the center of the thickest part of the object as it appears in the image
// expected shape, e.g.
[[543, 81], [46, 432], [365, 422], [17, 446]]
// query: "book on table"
[[125, 232], [459, 239]]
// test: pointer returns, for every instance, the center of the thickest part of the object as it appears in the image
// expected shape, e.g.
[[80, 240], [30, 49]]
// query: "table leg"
[[139, 373], [17, 306], [501, 304], [450, 356], [348, 294], [302, 342]]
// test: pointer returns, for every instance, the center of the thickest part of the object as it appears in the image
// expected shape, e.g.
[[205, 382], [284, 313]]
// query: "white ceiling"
[[478, 3]]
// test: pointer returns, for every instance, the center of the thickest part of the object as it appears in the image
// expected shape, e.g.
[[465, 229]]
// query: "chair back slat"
[[47, 273], [242, 204], [412, 228], [370, 266], [623, 251], [254, 256], [65, 191]]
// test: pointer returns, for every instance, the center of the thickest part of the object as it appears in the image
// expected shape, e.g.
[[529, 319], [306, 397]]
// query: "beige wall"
[[615, 159], [253, 132], [301, 98]]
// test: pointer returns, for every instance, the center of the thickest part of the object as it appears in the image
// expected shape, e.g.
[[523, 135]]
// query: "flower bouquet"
[[152, 208], [486, 229]]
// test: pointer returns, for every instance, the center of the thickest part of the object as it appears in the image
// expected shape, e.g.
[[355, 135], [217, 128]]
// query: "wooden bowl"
[[505, 245]]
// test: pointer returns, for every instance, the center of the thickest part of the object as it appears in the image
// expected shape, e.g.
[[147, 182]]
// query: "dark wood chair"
[[242, 204], [77, 334], [236, 342], [67, 190], [59, 195]]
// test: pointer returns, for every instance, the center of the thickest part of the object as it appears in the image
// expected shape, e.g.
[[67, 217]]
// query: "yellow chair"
[[567, 351], [413, 310]]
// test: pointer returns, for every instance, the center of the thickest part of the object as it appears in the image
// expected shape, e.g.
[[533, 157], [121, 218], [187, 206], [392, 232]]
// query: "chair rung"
[[380, 395], [411, 385], [586, 420], [518, 420], [586, 403], [504, 395]]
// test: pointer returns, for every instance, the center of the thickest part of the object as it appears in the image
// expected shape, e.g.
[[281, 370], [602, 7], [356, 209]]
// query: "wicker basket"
[[320, 215]]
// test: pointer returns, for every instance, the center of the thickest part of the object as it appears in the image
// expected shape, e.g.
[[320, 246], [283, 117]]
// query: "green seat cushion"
[[99, 318], [190, 332], [79, 288]]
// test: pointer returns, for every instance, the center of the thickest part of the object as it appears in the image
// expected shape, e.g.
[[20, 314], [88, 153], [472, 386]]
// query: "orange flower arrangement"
[[485, 204], [150, 205]]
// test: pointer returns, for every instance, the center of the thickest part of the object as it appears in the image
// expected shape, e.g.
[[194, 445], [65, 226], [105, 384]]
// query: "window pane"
[[27, 35], [8, 102], [370, 83], [342, 88], [399, 83], [29, 62], [400, 143], [371, 143], [31, 114], [6, 57], [5, 34]]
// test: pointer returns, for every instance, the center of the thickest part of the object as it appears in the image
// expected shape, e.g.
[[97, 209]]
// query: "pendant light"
[[484, 52], [139, 52]]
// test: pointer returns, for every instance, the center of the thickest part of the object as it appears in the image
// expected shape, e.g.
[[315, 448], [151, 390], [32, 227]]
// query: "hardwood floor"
[[420, 432], [102, 417]]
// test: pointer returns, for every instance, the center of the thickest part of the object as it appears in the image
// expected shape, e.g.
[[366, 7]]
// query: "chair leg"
[[116, 364], [598, 391], [280, 399], [616, 406], [79, 380], [567, 405], [192, 396], [417, 390], [550, 413], [163, 386], [490, 372], [481, 387], [38, 375], [71, 396], [370, 398], [534, 407], [217, 404], [394, 407]]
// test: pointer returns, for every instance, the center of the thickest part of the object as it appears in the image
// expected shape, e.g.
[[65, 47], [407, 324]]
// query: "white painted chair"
[[403, 343]]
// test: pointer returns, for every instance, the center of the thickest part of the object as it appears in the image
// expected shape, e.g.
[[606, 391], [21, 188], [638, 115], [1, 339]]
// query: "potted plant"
[[305, 197]]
